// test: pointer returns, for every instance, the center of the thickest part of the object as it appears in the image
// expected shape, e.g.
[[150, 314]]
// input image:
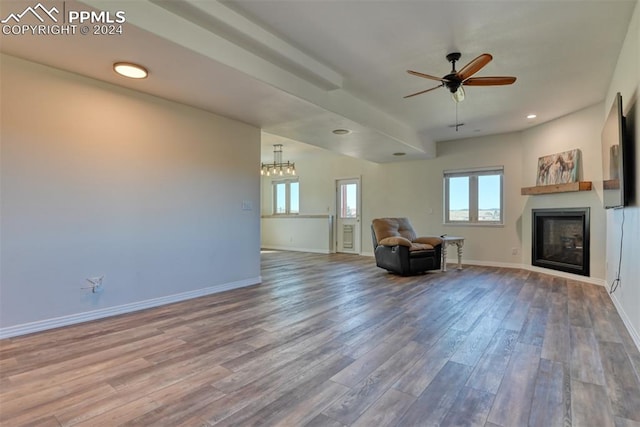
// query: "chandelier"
[[278, 167]]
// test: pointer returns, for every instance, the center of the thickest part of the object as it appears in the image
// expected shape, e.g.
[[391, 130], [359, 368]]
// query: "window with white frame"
[[286, 197], [474, 196]]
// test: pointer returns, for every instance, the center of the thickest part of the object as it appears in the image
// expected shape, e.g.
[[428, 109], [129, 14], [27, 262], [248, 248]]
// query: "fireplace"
[[560, 239]]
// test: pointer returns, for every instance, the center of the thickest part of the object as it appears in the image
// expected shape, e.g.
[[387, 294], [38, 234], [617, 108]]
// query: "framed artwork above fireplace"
[[559, 168]]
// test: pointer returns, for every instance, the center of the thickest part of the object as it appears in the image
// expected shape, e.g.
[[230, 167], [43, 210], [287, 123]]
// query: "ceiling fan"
[[455, 80]]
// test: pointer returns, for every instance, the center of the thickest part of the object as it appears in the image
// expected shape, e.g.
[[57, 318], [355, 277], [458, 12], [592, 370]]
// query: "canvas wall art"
[[559, 168]]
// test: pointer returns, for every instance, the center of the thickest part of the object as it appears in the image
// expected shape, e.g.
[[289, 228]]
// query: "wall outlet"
[[514, 251]]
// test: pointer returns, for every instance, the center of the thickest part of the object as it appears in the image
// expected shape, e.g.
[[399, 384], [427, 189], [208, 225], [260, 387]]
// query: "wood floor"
[[331, 340]]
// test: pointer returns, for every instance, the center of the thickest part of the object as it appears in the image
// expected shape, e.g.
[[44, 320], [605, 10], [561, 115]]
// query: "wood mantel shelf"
[[556, 188]]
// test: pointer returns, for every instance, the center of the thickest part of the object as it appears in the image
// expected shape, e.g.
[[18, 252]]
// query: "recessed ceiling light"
[[399, 154], [341, 131], [531, 116], [128, 69]]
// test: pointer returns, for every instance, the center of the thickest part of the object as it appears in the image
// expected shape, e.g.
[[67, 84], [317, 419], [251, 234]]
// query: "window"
[[286, 197], [473, 196], [348, 201]]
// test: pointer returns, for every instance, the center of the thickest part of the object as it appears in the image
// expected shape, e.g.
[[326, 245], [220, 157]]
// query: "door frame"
[[358, 179]]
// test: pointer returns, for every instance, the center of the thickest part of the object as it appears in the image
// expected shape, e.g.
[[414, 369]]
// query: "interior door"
[[348, 215]]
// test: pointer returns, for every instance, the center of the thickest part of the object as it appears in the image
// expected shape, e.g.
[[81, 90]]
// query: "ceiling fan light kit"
[[458, 95], [455, 80]]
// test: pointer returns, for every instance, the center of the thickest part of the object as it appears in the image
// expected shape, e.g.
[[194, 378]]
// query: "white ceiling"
[[299, 69]]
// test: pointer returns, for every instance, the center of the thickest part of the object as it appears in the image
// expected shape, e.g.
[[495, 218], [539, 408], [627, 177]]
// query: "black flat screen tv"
[[615, 194]]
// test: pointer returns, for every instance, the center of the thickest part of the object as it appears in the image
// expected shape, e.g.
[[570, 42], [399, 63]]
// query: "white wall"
[[415, 188], [101, 180], [303, 233], [577, 130], [483, 244], [320, 169], [626, 80]]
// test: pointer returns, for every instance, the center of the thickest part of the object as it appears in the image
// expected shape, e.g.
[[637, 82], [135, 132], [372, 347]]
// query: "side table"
[[451, 240]]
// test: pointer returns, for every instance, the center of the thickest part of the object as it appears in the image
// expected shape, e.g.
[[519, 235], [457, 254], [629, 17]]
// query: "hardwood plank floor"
[[332, 340]]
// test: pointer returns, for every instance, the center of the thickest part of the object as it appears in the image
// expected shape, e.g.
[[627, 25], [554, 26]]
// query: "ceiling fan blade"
[[489, 81], [426, 76], [422, 91], [474, 66]]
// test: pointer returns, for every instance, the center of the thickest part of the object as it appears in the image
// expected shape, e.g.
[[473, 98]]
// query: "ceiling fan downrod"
[[453, 57], [452, 81]]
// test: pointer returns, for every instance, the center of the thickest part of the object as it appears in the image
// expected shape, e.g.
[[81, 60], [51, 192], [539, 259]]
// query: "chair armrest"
[[433, 241], [395, 241]]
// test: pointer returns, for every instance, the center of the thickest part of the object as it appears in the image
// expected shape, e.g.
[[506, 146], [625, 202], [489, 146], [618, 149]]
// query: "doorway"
[[348, 215]]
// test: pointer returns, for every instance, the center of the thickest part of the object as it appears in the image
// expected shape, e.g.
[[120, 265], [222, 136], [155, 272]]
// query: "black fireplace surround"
[[560, 239]]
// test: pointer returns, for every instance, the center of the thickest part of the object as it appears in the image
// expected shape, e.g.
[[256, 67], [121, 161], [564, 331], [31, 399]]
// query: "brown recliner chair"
[[398, 249]]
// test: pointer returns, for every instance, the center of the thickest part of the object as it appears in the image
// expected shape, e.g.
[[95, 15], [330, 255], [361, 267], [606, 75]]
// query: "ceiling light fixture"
[[341, 131], [458, 95], [399, 154], [131, 70], [531, 116], [278, 167]]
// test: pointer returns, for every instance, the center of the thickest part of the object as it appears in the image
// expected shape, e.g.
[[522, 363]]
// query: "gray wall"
[[101, 180]]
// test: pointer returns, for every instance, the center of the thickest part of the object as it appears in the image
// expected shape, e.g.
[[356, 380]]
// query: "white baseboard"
[[296, 249], [625, 318], [484, 263], [577, 277], [43, 325], [72, 319]]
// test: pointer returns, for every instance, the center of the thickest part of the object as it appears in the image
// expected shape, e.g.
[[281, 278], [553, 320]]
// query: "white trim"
[[485, 263], [72, 319], [287, 196], [576, 277], [474, 196], [297, 216], [358, 225], [635, 336], [472, 170], [294, 249]]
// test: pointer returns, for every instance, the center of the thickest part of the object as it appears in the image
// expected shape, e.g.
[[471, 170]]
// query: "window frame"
[[473, 174], [287, 196], [343, 198]]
